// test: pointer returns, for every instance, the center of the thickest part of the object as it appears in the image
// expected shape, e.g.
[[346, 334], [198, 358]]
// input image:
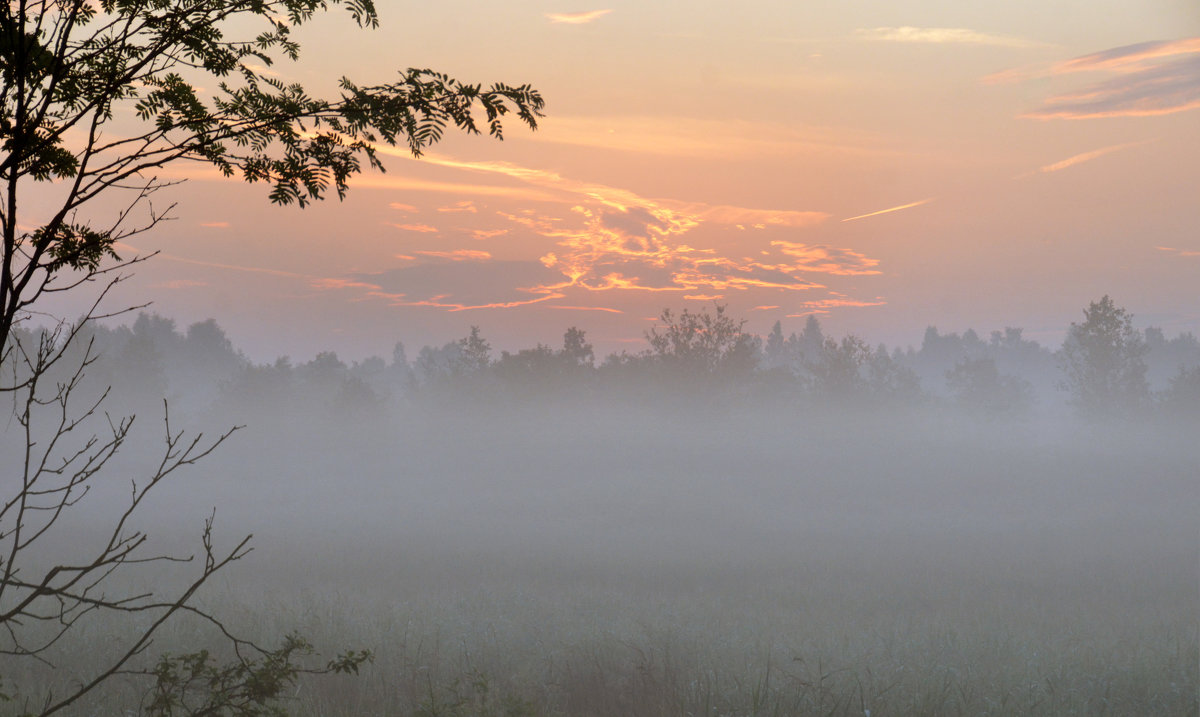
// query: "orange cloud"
[[828, 260], [823, 306], [422, 228], [402, 207], [576, 18], [458, 255], [889, 210], [215, 225], [613, 239]]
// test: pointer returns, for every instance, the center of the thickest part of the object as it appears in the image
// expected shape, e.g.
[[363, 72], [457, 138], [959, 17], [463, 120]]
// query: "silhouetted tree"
[[1103, 361], [98, 96], [576, 350], [703, 345]]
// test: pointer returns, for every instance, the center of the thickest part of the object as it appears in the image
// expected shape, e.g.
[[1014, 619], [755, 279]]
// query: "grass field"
[[742, 565]]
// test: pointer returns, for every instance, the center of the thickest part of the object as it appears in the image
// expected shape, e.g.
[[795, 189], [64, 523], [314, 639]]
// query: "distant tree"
[[978, 386], [811, 341], [837, 371], [775, 353], [889, 381], [1182, 395], [530, 371], [1103, 361], [542, 370], [260, 390], [1165, 357], [400, 371], [850, 372], [476, 352], [691, 344], [459, 365], [576, 350]]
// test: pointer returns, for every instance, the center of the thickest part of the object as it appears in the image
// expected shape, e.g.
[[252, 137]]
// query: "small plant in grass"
[[197, 684], [472, 696]]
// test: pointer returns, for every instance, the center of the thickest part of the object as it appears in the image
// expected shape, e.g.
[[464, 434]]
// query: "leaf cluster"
[[197, 684], [100, 95]]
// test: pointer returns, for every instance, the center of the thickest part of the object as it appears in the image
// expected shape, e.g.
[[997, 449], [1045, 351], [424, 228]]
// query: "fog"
[[669, 543]]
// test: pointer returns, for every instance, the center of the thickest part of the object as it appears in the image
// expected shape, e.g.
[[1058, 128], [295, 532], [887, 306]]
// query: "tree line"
[[1105, 367]]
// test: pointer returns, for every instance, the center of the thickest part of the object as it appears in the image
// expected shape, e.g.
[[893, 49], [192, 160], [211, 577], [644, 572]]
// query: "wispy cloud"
[[1149, 79], [1179, 252], [941, 35], [693, 137], [729, 215], [412, 184], [838, 301], [1166, 89], [419, 228], [828, 260], [400, 206], [463, 206], [889, 210], [215, 225], [448, 284], [336, 283], [577, 18], [587, 308], [1081, 158], [458, 255], [1129, 58], [488, 233], [610, 239], [235, 267]]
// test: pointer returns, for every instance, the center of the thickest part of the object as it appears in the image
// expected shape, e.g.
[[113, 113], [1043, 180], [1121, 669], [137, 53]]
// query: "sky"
[[885, 166]]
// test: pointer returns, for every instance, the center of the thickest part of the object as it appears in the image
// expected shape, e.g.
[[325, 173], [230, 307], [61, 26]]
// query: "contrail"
[[893, 209]]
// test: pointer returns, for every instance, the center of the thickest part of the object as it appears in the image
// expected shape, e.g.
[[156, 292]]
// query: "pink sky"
[[884, 165]]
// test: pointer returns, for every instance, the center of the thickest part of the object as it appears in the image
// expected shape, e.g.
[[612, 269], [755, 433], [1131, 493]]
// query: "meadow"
[[594, 560]]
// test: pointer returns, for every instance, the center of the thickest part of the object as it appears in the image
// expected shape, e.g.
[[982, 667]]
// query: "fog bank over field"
[[718, 525]]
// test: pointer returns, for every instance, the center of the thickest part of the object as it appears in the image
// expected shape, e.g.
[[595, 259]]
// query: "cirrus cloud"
[[941, 36], [1146, 79]]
